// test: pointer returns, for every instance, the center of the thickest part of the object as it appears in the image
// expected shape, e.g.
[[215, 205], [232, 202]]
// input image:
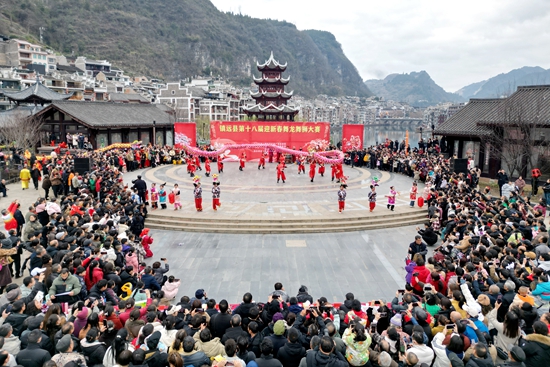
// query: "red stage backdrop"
[[185, 134], [294, 135], [352, 137]]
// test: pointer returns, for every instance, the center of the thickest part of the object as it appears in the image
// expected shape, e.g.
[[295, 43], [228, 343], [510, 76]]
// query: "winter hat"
[[64, 344], [153, 340], [199, 293], [34, 323], [421, 314], [518, 354], [59, 235], [278, 316], [397, 320], [83, 315], [13, 294], [303, 289], [279, 327], [173, 310]]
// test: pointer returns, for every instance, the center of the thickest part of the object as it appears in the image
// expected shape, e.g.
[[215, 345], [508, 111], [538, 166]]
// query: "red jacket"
[[97, 275], [423, 274], [360, 314]]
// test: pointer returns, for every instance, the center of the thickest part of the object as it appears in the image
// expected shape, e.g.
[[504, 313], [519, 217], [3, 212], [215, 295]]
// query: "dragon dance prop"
[[327, 157]]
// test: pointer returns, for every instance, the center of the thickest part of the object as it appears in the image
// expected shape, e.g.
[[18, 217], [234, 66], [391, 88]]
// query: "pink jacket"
[[132, 260], [170, 289]]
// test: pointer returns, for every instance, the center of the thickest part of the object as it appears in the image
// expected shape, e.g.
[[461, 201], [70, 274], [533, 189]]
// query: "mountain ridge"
[[416, 88], [175, 39]]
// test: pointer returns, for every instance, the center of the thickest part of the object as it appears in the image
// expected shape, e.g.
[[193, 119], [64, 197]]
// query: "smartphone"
[[105, 323], [383, 314], [499, 298], [449, 326], [199, 310], [204, 306], [8, 309], [163, 259], [402, 291], [377, 303], [415, 304], [275, 296], [373, 328], [402, 348]]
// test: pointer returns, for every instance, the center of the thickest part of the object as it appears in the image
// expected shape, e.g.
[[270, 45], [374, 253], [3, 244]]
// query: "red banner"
[[185, 134], [293, 135], [352, 137]]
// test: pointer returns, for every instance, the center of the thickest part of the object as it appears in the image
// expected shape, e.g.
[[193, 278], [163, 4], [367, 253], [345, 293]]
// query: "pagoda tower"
[[271, 98]]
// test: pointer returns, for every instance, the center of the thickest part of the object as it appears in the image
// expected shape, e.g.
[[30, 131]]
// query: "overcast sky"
[[456, 42]]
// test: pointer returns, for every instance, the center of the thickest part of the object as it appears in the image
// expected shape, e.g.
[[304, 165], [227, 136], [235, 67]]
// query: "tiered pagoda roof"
[[37, 94], [271, 98]]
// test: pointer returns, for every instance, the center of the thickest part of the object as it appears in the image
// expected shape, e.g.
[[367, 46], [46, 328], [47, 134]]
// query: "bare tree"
[[21, 131]]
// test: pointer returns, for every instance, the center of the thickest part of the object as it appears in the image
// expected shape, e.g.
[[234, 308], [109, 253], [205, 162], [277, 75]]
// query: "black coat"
[[33, 356], [429, 236], [93, 353], [16, 321], [319, 359], [219, 323], [196, 359], [537, 350], [268, 361], [278, 342], [233, 333], [291, 354]]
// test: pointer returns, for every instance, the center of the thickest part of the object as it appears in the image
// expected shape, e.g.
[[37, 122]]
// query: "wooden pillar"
[[109, 140]]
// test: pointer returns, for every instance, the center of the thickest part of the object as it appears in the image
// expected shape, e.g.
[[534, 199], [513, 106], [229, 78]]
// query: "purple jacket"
[[409, 268]]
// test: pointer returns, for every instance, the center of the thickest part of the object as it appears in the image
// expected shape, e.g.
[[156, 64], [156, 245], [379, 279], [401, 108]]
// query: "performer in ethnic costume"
[[342, 197], [7, 216], [146, 242], [372, 198], [242, 161], [162, 196], [198, 162], [312, 170], [413, 192], [197, 193], [339, 173], [391, 198], [215, 192], [281, 172], [321, 169], [177, 197], [154, 196]]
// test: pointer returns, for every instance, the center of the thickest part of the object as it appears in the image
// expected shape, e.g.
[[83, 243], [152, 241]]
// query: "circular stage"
[[253, 201]]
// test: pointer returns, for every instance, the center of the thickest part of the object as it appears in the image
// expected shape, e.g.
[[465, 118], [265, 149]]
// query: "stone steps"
[[345, 223]]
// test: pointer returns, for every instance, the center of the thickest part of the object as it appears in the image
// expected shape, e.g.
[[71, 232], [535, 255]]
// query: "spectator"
[[33, 355]]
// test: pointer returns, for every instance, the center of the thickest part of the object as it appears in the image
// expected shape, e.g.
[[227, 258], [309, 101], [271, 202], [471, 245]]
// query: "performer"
[[220, 163], [154, 196], [301, 167], [270, 155], [7, 216], [342, 197], [280, 172], [162, 196], [339, 173], [413, 192], [242, 161], [312, 170], [321, 169], [177, 197], [333, 170], [262, 161], [197, 192], [25, 176], [207, 167], [215, 192], [198, 162], [391, 198], [372, 198]]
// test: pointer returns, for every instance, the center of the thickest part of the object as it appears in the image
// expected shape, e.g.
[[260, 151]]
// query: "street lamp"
[[154, 133]]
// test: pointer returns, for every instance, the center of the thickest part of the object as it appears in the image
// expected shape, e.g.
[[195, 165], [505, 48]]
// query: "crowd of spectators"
[[478, 297]]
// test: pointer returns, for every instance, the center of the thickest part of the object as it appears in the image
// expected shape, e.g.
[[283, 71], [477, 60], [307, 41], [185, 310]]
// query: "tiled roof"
[[530, 104], [271, 64], [37, 90], [127, 97], [464, 122], [107, 114]]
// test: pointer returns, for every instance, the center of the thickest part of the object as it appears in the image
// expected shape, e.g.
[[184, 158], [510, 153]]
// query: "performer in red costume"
[[262, 161], [242, 161], [146, 242], [312, 170], [207, 167], [198, 162], [280, 172], [301, 166], [321, 169], [220, 163], [215, 192], [333, 168], [339, 172]]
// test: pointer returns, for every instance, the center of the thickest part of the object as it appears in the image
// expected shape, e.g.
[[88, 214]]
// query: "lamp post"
[[154, 133]]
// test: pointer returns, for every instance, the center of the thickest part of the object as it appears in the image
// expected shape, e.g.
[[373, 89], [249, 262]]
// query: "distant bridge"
[[398, 121]]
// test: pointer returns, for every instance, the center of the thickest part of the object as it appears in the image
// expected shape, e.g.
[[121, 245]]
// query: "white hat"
[[36, 271], [173, 311]]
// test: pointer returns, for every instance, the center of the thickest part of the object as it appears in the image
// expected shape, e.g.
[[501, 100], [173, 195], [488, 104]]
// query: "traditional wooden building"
[[106, 123], [37, 94], [271, 98], [507, 133]]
